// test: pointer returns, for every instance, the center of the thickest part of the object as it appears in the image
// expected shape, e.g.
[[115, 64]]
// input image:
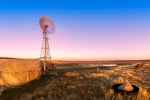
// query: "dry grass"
[[84, 84], [74, 73]]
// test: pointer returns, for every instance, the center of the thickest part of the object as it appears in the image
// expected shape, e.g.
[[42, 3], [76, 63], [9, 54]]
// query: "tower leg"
[[45, 66]]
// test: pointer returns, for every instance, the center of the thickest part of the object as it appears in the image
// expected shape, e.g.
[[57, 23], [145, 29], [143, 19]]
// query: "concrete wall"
[[15, 72]]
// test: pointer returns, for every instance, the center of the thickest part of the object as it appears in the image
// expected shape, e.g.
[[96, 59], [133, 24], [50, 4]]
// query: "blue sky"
[[85, 30], [74, 4]]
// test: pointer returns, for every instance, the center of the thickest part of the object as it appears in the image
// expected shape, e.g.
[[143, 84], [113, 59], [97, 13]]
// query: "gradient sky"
[[85, 29]]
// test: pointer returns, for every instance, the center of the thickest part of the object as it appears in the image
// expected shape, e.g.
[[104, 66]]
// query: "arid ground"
[[84, 81]]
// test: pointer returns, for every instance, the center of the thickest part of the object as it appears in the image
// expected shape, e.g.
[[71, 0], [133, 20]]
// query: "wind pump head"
[[47, 25]]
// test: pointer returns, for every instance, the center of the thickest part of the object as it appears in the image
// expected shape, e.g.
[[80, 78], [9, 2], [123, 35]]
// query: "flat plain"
[[74, 80]]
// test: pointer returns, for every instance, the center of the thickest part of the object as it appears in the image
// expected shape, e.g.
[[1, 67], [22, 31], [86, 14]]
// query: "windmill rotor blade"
[[44, 26]]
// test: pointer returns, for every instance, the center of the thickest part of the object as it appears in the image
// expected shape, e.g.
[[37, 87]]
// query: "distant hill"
[[107, 62], [7, 58], [14, 58]]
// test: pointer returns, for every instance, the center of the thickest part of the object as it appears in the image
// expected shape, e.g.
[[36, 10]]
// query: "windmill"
[[47, 27]]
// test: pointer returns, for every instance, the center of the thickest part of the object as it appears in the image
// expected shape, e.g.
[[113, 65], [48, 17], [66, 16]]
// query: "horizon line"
[[79, 60]]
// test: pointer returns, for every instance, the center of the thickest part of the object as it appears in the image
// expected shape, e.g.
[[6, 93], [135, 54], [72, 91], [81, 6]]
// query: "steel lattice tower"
[[45, 51]]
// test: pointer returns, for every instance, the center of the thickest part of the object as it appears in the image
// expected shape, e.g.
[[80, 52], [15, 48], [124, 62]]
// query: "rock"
[[2, 88]]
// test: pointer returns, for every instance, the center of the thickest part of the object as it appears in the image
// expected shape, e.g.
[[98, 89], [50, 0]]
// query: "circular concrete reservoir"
[[15, 72]]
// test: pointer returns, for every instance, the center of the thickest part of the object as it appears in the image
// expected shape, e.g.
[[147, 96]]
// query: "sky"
[[86, 30]]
